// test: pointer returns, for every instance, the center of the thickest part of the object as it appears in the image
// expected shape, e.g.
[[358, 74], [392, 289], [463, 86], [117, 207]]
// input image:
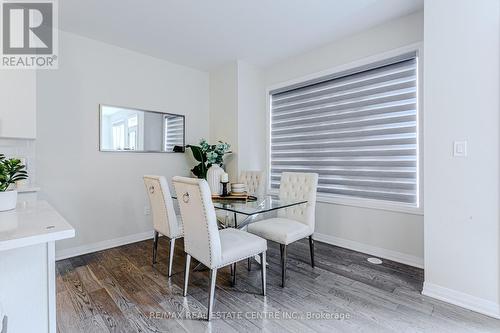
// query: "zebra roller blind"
[[174, 132], [356, 129]]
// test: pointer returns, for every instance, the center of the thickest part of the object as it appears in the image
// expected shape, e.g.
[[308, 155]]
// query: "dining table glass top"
[[263, 204]]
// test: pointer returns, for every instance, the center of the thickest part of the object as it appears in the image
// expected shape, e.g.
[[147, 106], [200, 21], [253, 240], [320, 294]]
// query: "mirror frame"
[[141, 151]]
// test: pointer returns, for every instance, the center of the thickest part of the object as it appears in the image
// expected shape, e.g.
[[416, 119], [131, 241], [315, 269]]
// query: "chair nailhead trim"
[[206, 225]]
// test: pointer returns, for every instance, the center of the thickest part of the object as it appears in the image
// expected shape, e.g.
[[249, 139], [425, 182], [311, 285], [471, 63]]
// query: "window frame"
[[119, 123], [354, 201]]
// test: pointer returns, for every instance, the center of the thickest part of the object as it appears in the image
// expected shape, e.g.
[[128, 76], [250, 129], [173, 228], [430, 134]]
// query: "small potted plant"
[[211, 158], [11, 171], [208, 155]]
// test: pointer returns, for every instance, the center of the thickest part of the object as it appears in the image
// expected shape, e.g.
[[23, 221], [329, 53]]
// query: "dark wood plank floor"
[[118, 290]]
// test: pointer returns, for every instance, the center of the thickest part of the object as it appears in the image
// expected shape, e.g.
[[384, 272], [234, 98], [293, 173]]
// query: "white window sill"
[[371, 204], [366, 203]]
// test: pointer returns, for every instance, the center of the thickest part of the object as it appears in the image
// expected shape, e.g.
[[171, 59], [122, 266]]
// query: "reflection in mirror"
[[134, 130]]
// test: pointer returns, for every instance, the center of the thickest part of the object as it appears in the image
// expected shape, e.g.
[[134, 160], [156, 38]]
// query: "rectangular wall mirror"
[[134, 130]]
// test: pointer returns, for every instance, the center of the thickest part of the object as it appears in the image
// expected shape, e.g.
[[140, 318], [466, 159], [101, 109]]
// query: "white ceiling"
[[205, 34]]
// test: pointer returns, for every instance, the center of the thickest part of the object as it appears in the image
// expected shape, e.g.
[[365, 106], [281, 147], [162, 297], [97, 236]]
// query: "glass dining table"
[[250, 209]]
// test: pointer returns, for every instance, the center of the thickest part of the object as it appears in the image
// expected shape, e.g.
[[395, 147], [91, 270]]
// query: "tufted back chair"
[[201, 235], [254, 181], [162, 207], [299, 186]]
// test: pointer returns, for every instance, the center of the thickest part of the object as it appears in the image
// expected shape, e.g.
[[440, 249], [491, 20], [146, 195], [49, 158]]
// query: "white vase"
[[8, 200], [213, 179]]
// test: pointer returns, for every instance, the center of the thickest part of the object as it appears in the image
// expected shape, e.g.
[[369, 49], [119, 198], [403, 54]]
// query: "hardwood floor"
[[118, 290]]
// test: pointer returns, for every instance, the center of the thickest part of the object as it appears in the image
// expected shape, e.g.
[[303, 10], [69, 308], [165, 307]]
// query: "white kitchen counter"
[[27, 265], [32, 223]]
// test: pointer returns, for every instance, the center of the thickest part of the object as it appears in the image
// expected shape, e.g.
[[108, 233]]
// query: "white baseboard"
[[372, 250], [461, 299], [103, 245]]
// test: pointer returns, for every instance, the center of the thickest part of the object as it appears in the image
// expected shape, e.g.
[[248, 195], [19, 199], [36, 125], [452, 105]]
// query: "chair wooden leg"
[[171, 256], [155, 246], [249, 264], [283, 264], [186, 274], [311, 248], [211, 295], [263, 272], [233, 276]]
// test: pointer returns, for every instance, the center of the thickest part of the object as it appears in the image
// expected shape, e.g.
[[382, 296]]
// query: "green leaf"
[[11, 170], [198, 153], [200, 171]]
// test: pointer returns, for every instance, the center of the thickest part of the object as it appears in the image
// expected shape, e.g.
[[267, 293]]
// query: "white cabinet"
[[27, 266], [18, 103]]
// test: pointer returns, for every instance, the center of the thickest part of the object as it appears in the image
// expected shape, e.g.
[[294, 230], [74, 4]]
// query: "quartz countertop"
[[32, 223], [28, 188]]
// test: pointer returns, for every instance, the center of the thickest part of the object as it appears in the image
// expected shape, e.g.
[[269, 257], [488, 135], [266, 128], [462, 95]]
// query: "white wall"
[[18, 103], [379, 39], [251, 119], [236, 105], [462, 194], [393, 235], [101, 194], [223, 113]]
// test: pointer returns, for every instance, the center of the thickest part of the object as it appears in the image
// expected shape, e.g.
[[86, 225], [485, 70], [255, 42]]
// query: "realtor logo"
[[29, 34]]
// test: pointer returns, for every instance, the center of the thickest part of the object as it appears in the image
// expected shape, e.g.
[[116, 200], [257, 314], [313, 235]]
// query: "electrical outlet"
[[460, 148], [147, 210]]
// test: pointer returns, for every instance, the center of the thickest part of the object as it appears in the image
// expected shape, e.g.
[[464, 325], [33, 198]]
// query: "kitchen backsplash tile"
[[23, 149]]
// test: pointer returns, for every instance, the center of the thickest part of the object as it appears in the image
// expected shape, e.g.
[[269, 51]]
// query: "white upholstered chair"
[[203, 241], [254, 180], [292, 223], [165, 222]]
